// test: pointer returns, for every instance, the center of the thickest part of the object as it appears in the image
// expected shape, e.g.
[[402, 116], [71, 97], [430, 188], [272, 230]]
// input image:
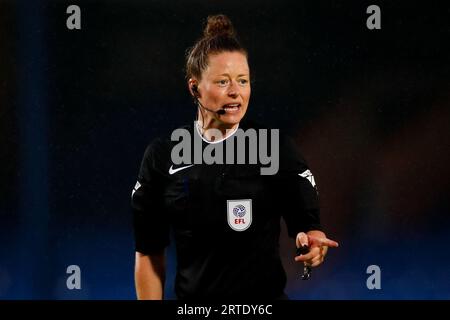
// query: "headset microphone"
[[195, 90]]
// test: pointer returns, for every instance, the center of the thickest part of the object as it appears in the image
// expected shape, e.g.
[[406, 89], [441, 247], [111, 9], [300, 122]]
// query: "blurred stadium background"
[[369, 110]]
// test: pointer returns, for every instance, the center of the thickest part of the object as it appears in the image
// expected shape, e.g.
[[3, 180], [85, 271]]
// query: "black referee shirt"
[[225, 219]]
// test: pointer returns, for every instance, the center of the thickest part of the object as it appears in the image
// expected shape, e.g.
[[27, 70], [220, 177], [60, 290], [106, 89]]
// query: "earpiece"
[[195, 90]]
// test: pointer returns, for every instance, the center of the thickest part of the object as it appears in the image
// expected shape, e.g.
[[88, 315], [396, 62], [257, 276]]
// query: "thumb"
[[301, 240]]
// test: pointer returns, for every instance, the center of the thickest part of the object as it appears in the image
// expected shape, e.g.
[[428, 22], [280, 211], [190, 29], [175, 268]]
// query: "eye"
[[222, 82], [243, 81]]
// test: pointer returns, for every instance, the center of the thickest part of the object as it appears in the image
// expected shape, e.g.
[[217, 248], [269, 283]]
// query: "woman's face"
[[225, 85]]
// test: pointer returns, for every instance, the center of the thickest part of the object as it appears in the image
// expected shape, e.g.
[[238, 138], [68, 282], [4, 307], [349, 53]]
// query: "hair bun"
[[218, 25]]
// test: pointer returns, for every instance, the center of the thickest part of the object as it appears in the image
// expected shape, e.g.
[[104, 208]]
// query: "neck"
[[205, 123]]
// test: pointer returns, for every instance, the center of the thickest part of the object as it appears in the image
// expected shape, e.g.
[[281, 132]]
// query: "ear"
[[192, 82]]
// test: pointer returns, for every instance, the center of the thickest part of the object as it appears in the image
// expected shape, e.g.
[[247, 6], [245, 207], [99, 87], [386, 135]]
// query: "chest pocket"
[[240, 185], [189, 198]]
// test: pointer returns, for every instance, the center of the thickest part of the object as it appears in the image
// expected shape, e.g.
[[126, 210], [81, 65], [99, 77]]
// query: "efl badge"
[[239, 214]]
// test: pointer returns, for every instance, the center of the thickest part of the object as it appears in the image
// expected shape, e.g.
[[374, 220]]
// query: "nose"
[[233, 89]]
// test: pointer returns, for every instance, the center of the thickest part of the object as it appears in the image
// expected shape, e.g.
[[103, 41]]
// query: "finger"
[[315, 259], [317, 263], [327, 242], [301, 240], [314, 262], [303, 257], [311, 254]]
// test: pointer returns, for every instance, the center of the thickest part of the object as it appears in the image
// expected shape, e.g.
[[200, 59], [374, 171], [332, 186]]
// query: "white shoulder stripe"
[[137, 186], [308, 175]]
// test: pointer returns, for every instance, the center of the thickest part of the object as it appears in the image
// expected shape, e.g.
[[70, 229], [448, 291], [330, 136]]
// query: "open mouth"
[[232, 107]]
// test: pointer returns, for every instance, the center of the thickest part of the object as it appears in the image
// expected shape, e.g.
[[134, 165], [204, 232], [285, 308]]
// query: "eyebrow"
[[239, 75]]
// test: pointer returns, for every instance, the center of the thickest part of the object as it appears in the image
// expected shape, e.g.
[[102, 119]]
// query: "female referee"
[[224, 218]]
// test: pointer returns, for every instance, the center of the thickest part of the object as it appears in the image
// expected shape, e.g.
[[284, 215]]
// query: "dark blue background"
[[369, 110]]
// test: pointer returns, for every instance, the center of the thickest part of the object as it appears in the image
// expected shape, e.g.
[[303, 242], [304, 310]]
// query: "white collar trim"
[[213, 142]]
